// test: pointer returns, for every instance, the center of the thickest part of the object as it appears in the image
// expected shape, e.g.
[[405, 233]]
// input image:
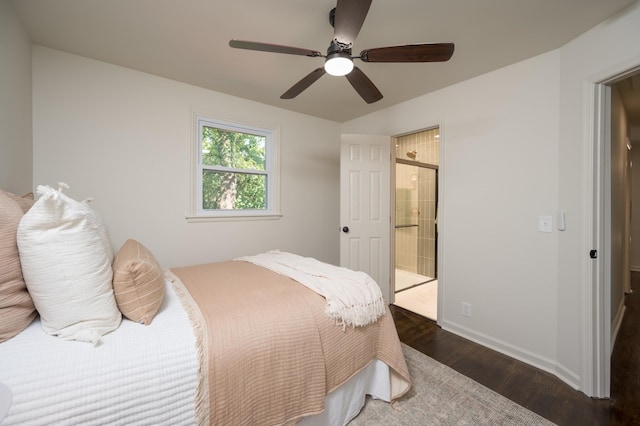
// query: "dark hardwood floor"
[[530, 387]]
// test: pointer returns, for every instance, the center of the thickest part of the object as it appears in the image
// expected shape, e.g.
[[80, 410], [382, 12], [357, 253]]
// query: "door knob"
[[345, 229]]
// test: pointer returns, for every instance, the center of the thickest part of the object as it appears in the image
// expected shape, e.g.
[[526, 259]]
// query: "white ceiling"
[[187, 40]]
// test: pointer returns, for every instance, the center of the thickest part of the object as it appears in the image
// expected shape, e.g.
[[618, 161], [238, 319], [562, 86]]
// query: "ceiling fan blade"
[[276, 48], [428, 52], [303, 84], [365, 88], [349, 17]]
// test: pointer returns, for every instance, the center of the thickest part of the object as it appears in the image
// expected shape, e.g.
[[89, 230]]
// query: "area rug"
[[441, 396]]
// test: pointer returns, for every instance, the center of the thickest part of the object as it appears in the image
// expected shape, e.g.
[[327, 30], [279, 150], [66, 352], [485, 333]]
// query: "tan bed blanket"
[[269, 352]]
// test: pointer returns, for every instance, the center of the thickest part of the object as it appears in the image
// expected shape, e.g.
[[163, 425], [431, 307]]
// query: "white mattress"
[[138, 374]]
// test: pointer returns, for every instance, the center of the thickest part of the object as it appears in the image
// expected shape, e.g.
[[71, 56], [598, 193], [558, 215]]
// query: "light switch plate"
[[545, 224]]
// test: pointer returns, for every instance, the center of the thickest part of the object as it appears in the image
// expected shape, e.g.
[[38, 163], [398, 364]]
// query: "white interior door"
[[365, 211]]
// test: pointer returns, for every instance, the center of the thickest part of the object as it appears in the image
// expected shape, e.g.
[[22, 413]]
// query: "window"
[[236, 172]]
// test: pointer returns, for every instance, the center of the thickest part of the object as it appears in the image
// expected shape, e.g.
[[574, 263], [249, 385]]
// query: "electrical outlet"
[[466, 309]]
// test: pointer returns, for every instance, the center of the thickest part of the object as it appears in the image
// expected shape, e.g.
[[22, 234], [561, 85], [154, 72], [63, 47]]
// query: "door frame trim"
[[440, 125], [596, 365]]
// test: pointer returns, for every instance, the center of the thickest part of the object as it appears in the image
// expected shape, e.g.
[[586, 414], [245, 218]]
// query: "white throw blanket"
[[353, 298]]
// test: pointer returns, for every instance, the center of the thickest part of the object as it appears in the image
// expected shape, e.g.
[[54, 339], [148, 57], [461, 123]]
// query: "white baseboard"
[[550, 366], [617, 322]]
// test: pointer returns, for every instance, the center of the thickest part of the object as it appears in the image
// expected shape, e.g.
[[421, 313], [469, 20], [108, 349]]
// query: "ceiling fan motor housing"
[[338, 48]]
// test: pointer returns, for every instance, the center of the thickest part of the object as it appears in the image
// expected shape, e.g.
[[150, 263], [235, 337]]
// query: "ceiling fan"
[[347, 19]]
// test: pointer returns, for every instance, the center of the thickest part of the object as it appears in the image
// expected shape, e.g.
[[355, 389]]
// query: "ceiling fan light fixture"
[[338, 64]]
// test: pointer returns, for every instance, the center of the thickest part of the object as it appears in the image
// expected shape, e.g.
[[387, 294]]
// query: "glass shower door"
[[415, 228]]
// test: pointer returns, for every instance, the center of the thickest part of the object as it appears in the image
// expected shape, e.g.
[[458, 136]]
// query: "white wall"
[[15, 103], [515, 144], [606, 50], [122, 137], [635, 210], [620, 274], [499, 164]]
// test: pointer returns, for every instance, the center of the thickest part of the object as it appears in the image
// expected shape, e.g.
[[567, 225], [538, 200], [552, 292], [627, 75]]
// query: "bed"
[[232, 342]]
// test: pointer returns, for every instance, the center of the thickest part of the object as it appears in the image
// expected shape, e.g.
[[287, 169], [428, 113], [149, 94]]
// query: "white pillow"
[[66, 256]]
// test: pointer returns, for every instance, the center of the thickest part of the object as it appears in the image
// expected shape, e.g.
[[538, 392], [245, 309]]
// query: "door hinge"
[[593, 254]]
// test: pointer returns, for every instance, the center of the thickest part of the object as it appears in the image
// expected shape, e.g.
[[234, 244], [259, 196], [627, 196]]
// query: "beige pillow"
[[16, 306], [25, 202], [138, 282]]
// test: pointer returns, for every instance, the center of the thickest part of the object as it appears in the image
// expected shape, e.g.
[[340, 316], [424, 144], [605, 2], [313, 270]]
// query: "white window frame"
[[272, 171]]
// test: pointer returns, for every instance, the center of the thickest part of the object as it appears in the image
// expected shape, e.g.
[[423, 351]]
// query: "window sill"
[[200, 219]]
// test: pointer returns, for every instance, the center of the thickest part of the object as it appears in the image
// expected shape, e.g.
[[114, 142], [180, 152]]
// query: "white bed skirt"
[[344, 403]]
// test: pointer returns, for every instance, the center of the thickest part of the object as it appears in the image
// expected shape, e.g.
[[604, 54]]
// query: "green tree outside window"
[[234, 170]]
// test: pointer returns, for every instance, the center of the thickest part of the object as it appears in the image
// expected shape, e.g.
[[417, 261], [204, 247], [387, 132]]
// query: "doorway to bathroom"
[[416, 232]]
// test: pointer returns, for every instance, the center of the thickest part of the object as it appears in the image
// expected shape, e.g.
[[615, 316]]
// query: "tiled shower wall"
[[407, 218], [416, 203]]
